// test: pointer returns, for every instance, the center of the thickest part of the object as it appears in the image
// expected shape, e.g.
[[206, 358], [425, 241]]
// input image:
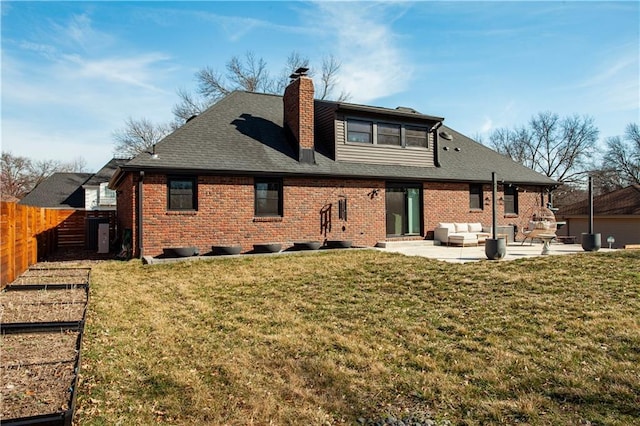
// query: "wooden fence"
[[29, 234]]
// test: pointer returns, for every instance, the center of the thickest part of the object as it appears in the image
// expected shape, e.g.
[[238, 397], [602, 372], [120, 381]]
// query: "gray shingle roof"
[[243, 133], [106, 172], [60, 190]]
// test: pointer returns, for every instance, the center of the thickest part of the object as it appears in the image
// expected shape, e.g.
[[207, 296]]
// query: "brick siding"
[[299, 111], [225, 212]]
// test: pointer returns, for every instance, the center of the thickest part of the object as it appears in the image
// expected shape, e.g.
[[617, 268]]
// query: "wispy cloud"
[[616, 84], [135, 71], [373, 63], [79, 84], [234, 27]]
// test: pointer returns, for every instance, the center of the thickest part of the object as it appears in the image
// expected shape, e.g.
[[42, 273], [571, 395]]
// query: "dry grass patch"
[[331, 337]]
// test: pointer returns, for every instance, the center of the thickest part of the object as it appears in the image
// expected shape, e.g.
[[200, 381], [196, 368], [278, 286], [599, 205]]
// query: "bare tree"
[[138, 136], [557, 147], [21, 174], [251, 74], [16, 180], [248, 73], [621, 162], [329, 79]]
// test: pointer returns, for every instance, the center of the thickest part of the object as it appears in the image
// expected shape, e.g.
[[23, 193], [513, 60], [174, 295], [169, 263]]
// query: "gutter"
[[436, 156], [139, 214]]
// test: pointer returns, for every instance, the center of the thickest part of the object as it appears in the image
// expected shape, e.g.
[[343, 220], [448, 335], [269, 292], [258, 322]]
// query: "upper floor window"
[[359, 131], [106, 196], [389, 134], [416, 136], [475, 196], [381, 133], [510, 199], [182, 194], [268, 197]]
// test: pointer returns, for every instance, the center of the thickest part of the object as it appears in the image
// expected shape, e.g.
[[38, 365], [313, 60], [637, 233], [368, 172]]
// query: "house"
[[97, 195], [616, 214], [257, 168], [85, 193], [77, 191]]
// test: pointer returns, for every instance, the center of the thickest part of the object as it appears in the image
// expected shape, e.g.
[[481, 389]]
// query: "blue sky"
[[73, 72]]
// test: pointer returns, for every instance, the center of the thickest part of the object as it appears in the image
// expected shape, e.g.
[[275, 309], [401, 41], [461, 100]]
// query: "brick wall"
[[126, 206], [298, 111], [449, 202], [225, 212]]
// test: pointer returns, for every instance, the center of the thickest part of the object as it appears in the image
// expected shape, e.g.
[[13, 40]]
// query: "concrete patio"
[[426, 248]]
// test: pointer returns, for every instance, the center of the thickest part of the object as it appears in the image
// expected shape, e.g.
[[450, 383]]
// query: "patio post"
[[495, 248], [590, 240]]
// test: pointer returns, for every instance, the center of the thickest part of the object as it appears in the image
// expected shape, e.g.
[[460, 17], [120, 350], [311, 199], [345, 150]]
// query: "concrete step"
[[410, 243]]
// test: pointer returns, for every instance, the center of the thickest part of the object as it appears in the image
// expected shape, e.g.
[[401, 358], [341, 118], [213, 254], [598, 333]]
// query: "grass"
[[331, 337]]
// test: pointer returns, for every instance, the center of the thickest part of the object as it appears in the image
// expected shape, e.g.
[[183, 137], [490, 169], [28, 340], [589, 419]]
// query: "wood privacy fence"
[[30, 234]]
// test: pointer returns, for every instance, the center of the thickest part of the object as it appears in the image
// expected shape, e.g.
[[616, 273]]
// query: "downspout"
[[139, 214], [434, 129]]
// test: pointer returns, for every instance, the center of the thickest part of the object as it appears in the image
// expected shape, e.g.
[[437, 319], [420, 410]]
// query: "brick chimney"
[[298, 114]]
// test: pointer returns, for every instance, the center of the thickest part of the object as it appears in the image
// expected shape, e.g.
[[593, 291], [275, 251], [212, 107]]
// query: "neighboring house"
[[78, 191], [87, 194], [97, 195], [59, 191], [616, 214], [258, 168]]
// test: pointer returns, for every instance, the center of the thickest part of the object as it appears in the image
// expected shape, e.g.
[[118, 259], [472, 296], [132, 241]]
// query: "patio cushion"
[[463, 238], [450, 226], [461, 227], [475, 227]]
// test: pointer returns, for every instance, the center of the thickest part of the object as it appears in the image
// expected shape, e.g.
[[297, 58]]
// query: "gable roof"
[[243, 134], [106, 172], [625, 201], [60, 190]]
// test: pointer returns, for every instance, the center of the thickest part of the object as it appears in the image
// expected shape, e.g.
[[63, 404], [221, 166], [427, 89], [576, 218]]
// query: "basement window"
[[182, 193]]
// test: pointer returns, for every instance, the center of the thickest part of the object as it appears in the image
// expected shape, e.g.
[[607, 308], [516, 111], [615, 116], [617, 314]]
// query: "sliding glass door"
[[404, 209]]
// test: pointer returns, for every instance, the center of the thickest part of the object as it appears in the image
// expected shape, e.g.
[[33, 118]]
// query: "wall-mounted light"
[[487, 200], [501, 200]]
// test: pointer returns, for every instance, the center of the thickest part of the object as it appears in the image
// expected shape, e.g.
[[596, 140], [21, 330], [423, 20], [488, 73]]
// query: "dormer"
[[374, 135]]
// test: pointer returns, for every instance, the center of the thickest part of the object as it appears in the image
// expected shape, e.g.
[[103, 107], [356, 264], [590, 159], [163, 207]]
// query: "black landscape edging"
[[40, 327], [58, 419], [65, 417], [54, 286]]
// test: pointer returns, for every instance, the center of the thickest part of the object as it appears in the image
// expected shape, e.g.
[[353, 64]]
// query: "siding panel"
[[380, 154]]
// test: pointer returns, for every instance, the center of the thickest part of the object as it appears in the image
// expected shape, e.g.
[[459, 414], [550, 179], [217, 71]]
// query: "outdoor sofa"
[[461, 234]]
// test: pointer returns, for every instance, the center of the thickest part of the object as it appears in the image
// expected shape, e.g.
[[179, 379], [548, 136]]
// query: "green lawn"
[[335, 336]]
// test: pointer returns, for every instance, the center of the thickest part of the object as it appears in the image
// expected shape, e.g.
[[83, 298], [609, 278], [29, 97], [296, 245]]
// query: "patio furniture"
[[546, 239], [539, 220], [463, 239], [465, 233]]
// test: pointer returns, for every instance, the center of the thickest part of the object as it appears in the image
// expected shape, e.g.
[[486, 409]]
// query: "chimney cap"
[[299, 73]]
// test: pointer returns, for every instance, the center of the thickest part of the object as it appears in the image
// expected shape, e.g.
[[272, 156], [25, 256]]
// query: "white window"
[[106, 196]]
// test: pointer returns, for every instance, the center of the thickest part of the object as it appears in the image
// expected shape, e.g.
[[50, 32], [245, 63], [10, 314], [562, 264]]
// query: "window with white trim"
[[106, 196]]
